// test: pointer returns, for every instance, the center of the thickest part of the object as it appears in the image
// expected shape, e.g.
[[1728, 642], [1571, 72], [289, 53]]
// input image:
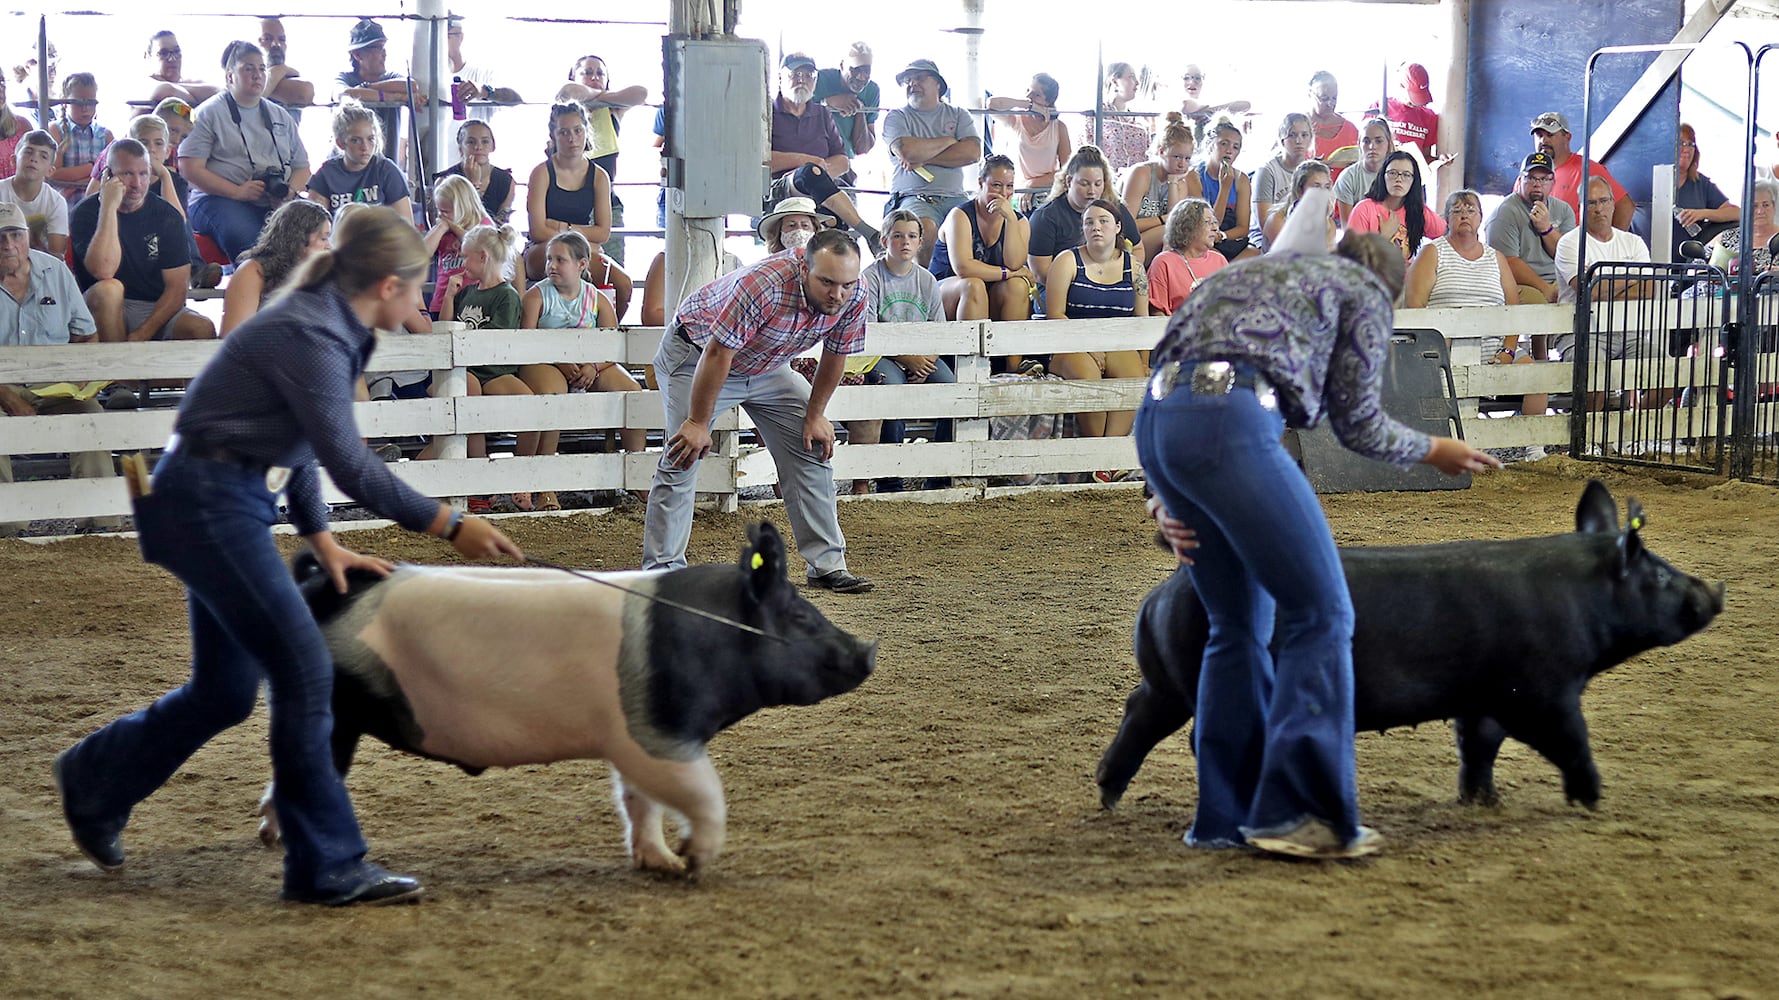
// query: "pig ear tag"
[[757, 561]]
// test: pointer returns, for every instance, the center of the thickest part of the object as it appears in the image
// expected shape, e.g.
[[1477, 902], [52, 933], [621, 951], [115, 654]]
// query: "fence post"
[[452, 384], [974, 369]]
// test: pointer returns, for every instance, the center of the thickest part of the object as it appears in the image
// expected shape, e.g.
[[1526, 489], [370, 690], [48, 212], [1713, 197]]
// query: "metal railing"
[[1650, 371]]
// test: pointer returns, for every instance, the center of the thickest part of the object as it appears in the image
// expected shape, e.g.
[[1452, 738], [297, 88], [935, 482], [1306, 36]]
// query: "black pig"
[[1501, 637]]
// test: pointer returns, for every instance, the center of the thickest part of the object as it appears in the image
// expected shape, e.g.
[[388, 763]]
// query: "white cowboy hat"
[[789, 206]]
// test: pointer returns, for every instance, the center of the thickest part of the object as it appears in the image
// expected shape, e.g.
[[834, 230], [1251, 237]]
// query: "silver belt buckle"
[[1162, 383], [1213, 378]]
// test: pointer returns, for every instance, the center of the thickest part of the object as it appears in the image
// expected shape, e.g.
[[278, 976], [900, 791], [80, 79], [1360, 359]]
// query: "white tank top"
[[1462, 282]]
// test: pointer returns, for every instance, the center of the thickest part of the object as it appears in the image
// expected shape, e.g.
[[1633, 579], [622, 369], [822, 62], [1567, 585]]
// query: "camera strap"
[[265, 118]]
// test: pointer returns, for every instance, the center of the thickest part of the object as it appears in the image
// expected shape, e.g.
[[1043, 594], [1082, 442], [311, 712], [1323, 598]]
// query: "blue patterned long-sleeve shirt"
[[1318, 328], [281, 391]]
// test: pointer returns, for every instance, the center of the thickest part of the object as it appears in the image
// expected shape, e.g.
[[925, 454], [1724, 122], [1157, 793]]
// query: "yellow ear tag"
[[1636, 525], [758, 561]]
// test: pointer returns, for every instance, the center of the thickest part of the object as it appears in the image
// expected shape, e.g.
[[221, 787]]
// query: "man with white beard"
[[807, 153]]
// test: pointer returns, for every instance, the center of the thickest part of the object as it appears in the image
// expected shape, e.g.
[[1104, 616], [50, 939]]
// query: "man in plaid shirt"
[[731, 343]]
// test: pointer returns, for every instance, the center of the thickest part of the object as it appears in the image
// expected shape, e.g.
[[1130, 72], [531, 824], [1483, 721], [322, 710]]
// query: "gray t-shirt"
[[1272, 185], [1510, 232], [913, 298], [943, 122], [235, 152], [1353, 182]]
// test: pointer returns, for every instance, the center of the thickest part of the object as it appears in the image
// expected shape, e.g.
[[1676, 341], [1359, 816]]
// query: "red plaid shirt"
[[760, 312]]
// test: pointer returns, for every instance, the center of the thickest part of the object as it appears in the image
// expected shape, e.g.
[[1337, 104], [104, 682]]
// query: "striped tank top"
[[1088, 299], [1462, 282]]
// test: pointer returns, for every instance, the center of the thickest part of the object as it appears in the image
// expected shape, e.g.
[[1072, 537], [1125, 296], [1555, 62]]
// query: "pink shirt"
[[1172, 277], [1368, 217], [449, 261]]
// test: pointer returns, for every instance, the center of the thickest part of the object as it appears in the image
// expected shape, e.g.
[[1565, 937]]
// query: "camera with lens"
[[277, 186]]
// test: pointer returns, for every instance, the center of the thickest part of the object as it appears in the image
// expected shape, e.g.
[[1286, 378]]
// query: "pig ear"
[[1630, 544], [762, 560], [1597, 513]]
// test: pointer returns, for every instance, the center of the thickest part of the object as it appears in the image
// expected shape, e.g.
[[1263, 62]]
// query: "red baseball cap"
[[1414, 83]]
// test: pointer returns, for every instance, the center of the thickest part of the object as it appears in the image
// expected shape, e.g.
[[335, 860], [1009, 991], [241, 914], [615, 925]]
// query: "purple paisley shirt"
[[1318, 328]]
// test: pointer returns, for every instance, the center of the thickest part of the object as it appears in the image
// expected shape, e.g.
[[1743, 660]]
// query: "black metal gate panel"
[[1651, 374]]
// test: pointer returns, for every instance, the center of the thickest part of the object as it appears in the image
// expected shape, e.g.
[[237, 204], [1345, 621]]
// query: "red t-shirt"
[[1412, 123], [1568, 179]]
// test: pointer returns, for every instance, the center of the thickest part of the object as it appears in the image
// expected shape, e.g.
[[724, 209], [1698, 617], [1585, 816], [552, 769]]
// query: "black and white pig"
[[1501, 637], [499, 667]]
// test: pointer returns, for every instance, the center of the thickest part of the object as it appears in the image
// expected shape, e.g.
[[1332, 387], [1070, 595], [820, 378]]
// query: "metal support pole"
[[1454, 120], [42, 72], [694, 245], [432, 77], [972, 59]]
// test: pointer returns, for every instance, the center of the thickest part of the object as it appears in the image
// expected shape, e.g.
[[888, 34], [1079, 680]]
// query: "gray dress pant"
[[778, 401]]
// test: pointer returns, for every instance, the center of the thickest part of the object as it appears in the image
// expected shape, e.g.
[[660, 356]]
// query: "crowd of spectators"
[[1054, 226]]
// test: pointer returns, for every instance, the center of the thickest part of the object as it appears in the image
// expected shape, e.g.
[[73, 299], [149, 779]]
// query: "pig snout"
[[1705, 602]]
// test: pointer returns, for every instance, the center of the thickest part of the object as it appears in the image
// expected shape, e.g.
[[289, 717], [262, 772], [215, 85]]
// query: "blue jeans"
[[1274, 730], [887, 372], [234, 225], [208, 523]]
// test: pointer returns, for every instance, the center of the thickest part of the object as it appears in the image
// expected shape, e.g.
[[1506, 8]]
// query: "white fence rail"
[[971, 402]]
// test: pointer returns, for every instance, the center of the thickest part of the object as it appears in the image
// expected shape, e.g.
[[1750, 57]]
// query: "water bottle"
[[1692, 230], [458, 112], [603, 284]]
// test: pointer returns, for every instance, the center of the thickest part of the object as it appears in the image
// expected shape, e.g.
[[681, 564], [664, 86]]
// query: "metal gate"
[[1677, 365], [1651, 383]]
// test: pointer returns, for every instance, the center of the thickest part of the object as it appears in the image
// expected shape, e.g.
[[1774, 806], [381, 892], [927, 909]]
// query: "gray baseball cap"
[[924, 66]]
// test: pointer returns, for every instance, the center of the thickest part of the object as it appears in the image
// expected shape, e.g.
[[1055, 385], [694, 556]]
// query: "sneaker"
[[841, 582], [208, 276], [389, 452], [1315, 839], [480, 506]]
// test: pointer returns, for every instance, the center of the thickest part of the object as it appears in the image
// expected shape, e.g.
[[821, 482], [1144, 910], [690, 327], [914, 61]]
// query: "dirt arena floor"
[[936, 833]]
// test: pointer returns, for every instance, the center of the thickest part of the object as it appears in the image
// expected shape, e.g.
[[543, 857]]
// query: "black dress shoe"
[[841, 582], [104, 849], [367, 885]]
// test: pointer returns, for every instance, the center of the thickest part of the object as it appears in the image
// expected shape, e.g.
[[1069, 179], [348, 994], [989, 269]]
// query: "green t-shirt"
[[494, 308]]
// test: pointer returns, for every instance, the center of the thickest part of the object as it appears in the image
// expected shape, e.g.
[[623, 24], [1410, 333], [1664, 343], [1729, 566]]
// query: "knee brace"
[[814, 182]]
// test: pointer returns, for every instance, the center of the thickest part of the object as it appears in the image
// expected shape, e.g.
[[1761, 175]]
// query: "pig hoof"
[[1110, 797], [698, 860], [658, 860]]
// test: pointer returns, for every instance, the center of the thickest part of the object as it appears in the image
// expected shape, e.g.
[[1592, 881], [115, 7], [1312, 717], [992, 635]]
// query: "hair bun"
[[1174, 118]]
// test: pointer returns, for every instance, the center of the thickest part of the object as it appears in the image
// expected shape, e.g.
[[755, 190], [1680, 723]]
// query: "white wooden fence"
[[973, 457]]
